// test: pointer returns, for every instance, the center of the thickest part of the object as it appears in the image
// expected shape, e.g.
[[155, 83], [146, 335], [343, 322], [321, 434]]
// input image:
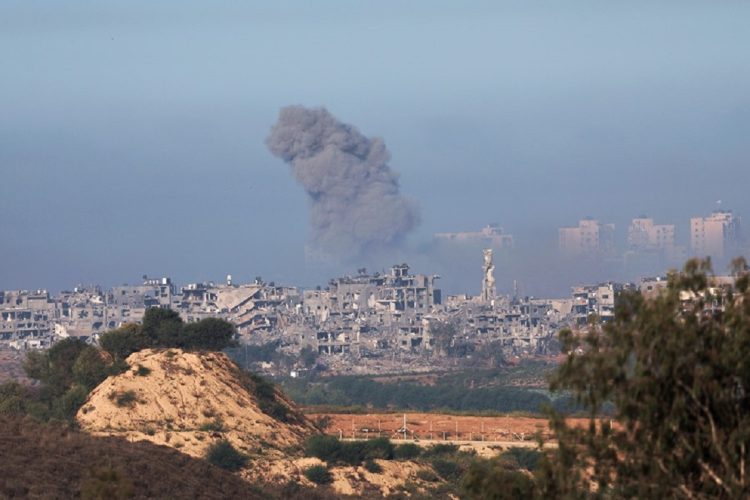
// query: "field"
[[437, 427]]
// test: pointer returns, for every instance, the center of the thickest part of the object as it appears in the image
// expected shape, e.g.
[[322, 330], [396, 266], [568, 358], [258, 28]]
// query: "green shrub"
[[66, 406], [124, 398], [447, 469], [440, 450], [427, 476], [123, 341], [89, 368], [143, 371], [318, 474], [495, 479], [372, 466], [215, 425], [222, 454], [407, 451], [524, 458], [378, 448]]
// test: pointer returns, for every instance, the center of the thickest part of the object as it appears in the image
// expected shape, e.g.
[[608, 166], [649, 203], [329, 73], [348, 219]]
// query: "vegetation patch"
[[215, 425], [222, 454], [124, 398], [332, 450], [143, 371], [318, 474]]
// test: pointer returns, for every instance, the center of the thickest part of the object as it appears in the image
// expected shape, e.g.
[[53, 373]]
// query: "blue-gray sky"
[[132, 132]]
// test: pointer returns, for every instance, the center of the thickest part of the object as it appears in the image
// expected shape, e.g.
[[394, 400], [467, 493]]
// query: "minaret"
[[488, 282]]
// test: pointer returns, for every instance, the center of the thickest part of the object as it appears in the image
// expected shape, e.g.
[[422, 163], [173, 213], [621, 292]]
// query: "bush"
[[378, 448], [524, 458], [215, 425], [372, 466], [124, 398], [440, 450], [495, 479], [407, 451], [143, 371], [222, 454], [318, 474], [66, 406], [210, 333], [447, 469], [123, 341], [89, 368]]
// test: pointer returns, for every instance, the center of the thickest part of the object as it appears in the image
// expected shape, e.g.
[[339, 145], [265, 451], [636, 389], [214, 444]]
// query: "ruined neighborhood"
[[379, 322]]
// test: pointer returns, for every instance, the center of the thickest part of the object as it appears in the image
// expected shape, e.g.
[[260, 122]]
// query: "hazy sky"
[[132, 133]]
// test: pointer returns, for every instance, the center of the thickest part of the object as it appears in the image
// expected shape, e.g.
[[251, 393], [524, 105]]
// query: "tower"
[[488, 282]]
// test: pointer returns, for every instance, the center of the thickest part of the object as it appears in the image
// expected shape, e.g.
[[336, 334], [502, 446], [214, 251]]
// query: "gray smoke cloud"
[[356, 206]]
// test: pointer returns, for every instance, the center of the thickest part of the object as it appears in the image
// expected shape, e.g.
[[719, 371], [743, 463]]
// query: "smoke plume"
[[356, 207]]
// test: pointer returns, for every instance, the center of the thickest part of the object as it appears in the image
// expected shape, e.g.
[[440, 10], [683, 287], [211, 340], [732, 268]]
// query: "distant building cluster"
[[717, 235], [364, 323]]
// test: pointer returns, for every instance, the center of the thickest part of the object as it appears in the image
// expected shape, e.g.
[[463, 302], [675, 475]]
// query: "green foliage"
[[210, 333], [143, 371], [215, 425], [318, 474], [161, 327], [107, 483], [449, 393], [407, 451], [524, 458], [449, 470], [67, 372], [676, 370], [124, 398], [495, 480], [123, 341], [222, 454], [308, 356], [332, 450], [54, 368], [441, 449], [13, 398], [66, 406], [372, 466], [89, 368]]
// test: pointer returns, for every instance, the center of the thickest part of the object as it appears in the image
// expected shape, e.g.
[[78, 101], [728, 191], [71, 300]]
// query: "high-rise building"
[[716, 235], [590, 237], [644, 235]]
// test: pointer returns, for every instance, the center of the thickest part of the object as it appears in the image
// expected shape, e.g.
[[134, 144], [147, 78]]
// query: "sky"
[[132, 132]]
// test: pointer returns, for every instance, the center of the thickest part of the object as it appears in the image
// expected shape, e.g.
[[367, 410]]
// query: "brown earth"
[[189, 400], [49, 462]]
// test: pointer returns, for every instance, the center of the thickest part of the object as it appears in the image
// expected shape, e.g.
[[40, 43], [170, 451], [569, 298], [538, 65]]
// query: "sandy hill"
[[53, 461], [190, 400], [187, 400]]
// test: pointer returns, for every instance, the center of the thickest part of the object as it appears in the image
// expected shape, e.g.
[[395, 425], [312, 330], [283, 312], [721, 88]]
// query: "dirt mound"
[[189, 400], [46, 461]]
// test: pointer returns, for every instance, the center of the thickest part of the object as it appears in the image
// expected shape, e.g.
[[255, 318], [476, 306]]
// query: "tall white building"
[[716, 235], [644, 235], [589, 237]]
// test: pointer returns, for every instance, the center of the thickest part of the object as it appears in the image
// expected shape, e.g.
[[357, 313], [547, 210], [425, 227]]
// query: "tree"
[[209, 333], [123, 341], [162, 327], [89, 368], [54, 368], [665, 385]]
